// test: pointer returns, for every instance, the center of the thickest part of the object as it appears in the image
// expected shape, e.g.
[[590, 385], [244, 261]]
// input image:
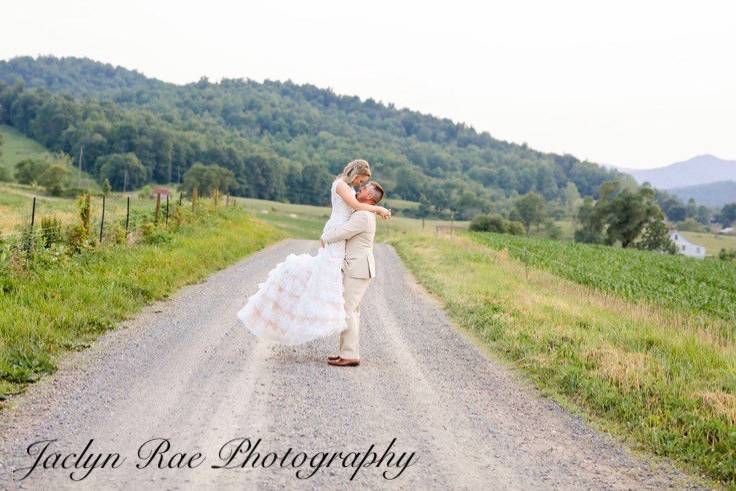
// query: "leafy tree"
[[409, 184], [591, 223], [122, 170], [627, 213], [572, 198], [531, 209], [704, 215], [315, 184], [692, 208], [5, 175], [673, 208], [728, 214], [207, 179], [656, 236], [28, 171], [52, 178]]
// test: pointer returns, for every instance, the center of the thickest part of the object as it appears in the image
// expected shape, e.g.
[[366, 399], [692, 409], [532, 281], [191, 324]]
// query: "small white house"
[[686, 247]]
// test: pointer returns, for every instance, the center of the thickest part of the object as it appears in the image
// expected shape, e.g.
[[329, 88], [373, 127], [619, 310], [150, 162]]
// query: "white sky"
[[632, 83]]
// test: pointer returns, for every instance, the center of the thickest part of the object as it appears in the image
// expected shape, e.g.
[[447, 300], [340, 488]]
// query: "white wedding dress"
[[302, 298]]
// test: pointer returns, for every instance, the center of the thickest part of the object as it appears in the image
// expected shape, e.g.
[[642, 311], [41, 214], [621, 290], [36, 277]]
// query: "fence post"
[[33, 213], [526, 264], [227, 200], [167, 208], [195, 192], [180, 196], [102, 220], [157, 212], [127, 214], [422, 223]]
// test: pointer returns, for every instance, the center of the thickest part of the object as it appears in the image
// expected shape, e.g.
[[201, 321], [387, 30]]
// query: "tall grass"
[[661, 379], [686, 284], [67, 301]]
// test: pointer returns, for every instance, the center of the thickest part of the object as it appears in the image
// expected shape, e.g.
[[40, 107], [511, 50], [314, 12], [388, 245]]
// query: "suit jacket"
[[359, 231]]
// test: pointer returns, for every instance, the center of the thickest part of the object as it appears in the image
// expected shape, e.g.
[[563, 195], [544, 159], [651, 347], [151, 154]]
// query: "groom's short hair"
[[377, 190]]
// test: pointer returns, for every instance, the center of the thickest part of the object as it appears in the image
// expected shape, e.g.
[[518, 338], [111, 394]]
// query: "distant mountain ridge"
[[703, 169], [714, 194]]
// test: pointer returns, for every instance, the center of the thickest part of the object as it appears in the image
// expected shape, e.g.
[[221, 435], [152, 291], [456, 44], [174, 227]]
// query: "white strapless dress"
[[302, 298]]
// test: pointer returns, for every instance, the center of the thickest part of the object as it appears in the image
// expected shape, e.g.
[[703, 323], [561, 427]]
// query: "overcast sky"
[[632, 83]]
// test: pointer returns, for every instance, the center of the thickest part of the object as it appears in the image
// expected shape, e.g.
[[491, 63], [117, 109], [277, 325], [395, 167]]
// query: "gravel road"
[[185, 370]]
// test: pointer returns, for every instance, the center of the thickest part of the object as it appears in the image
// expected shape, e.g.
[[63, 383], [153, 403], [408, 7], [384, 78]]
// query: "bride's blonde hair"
[[354, 169]]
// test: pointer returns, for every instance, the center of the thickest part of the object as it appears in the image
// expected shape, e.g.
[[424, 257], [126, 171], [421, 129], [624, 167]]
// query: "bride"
[[302, 299]]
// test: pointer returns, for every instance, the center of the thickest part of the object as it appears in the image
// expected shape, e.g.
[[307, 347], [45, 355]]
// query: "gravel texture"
[[186, 370]]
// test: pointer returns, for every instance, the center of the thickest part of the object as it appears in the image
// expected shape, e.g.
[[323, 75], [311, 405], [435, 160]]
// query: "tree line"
[[280, 140]]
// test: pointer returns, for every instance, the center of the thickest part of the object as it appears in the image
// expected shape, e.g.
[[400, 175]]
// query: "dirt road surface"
[[186, 370]]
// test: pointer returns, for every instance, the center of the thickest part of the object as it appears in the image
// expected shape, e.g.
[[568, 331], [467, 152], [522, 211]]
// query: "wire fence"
[[108, 215]]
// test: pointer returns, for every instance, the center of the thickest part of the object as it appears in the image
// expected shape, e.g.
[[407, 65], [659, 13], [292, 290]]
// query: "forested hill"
[[281, 140]]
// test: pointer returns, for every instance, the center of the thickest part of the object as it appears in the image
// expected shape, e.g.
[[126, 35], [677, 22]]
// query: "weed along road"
[[183, 397]]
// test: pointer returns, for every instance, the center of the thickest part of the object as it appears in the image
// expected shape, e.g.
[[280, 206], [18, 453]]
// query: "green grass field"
[[306, 221], [675, 281], [713, 243], [66, 303], [664, 381], [17, 147]]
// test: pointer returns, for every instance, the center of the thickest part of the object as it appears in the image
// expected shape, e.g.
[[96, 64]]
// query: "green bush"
[[496, 223], [153, 234], [727, 255], [515, 227], [51, 231], [691, 225]]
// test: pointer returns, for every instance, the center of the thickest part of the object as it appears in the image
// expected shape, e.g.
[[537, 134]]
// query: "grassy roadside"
[[648, 375], [64, 306]]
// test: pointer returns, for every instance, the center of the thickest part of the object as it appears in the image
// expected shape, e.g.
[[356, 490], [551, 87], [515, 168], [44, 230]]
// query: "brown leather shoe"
[[333, 358], [343, 362]]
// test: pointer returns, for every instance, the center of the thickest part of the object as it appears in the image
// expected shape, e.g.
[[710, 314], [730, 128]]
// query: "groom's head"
[[370, 193]]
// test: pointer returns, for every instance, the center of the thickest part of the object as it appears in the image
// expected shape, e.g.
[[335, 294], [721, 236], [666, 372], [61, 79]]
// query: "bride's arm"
[[343, 190]]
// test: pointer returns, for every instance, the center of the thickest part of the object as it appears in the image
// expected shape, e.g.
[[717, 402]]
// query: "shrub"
[[118, 234], [51, 231], [489, 223], [515, 227], [727, 255], [553, 230], [496, 223], [691, 225], [77, 238], [155, 235]]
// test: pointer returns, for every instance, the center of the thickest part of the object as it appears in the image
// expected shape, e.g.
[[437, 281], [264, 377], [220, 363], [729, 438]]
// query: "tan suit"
[[358, 269]]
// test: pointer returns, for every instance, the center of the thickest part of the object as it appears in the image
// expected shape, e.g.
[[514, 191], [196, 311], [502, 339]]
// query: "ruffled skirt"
[[301, 300]]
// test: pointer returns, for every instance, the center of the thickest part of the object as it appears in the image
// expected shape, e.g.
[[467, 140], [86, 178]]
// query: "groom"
[[358, 268]]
